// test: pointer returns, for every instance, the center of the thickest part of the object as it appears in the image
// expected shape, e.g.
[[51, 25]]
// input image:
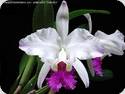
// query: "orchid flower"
[[62, 53]]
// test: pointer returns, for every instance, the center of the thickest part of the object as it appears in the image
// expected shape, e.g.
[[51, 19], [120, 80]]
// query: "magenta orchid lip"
[[97, 66], [61, 78]]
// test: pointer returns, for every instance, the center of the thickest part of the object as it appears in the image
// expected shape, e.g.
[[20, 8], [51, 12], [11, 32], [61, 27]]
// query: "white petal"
[[88, 17], [44, 43], [62, 20], [81, 44], [113, 43], [1, 91], [43, 73], [79, 67]]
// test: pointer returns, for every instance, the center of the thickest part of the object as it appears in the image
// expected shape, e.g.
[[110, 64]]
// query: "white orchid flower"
[[55, 45]]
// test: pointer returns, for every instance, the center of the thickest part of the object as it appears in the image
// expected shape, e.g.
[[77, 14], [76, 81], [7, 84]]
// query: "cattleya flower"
[[62, 53]]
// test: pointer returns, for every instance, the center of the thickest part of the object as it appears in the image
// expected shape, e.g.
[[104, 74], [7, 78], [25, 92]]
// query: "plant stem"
[[51, 92], [18, 89]]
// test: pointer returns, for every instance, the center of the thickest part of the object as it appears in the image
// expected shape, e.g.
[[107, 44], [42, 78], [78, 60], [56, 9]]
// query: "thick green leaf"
[[80, 12], [107, 75], [30, 85], [42, 90], [43, 15], [28, 71], [23, 63], [39, 65], [14, 86]]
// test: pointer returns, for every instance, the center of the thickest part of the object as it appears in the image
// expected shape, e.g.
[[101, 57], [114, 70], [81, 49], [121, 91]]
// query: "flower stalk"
[[51, 92]]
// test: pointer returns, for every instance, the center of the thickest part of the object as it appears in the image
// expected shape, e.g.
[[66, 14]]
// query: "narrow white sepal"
[[62, 20], [79, 67], [43, 73], [88, 17]]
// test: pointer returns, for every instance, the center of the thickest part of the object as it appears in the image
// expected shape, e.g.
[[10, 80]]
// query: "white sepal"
[[79, 67], [62, 20], [43, 73]]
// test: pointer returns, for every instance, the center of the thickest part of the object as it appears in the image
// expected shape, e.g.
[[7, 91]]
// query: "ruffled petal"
[[54, 81], [62, 20], [113, 43], [79, 67], [61, 79], [81, 44], [43, 73], [44, 43]]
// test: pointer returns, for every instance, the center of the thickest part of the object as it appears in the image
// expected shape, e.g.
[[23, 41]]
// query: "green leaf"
[[83, 26], [106, 76], [28, 71], [43, 15], [30, 85], [23, 63], [80, 12], [42, 90], [39, 65], [14, 86]]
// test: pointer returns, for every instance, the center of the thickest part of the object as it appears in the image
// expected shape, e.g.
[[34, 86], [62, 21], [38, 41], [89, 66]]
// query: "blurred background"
[[16, 23]]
